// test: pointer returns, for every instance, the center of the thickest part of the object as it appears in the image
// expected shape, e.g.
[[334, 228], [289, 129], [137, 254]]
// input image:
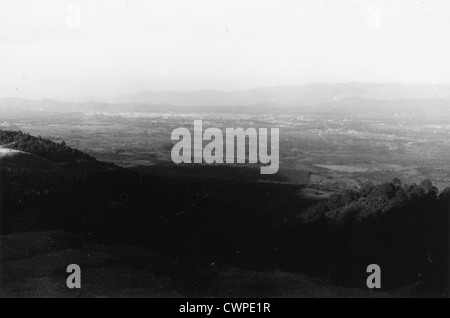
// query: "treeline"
[[372, 202], [404, 228], [41, 147]]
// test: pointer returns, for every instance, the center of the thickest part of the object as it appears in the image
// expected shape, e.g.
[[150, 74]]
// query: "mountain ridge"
[[351, 100], [309, 94], [314, 93]]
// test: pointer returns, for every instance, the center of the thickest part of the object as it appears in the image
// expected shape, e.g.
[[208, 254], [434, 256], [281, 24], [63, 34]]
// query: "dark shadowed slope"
[[218, 236]]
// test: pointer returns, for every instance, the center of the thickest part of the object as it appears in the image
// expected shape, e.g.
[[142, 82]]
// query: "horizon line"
[[87, 98]]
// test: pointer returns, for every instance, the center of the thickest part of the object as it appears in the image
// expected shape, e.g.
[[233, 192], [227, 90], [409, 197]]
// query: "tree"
[[445, 195], [397, 182]]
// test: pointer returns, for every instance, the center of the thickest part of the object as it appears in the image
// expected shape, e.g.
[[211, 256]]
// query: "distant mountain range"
[[308, 95], [339, 99]]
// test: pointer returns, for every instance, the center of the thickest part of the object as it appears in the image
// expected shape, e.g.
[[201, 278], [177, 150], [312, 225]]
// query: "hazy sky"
[[68, 49]]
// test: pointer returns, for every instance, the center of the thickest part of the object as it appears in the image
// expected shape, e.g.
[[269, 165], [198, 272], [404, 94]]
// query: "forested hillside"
[[41, 147]]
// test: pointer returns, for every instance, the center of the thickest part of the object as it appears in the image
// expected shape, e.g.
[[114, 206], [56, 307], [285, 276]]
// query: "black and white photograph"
[[241, 151]]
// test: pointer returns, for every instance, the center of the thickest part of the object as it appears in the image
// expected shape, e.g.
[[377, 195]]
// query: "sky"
[[102, 48]]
